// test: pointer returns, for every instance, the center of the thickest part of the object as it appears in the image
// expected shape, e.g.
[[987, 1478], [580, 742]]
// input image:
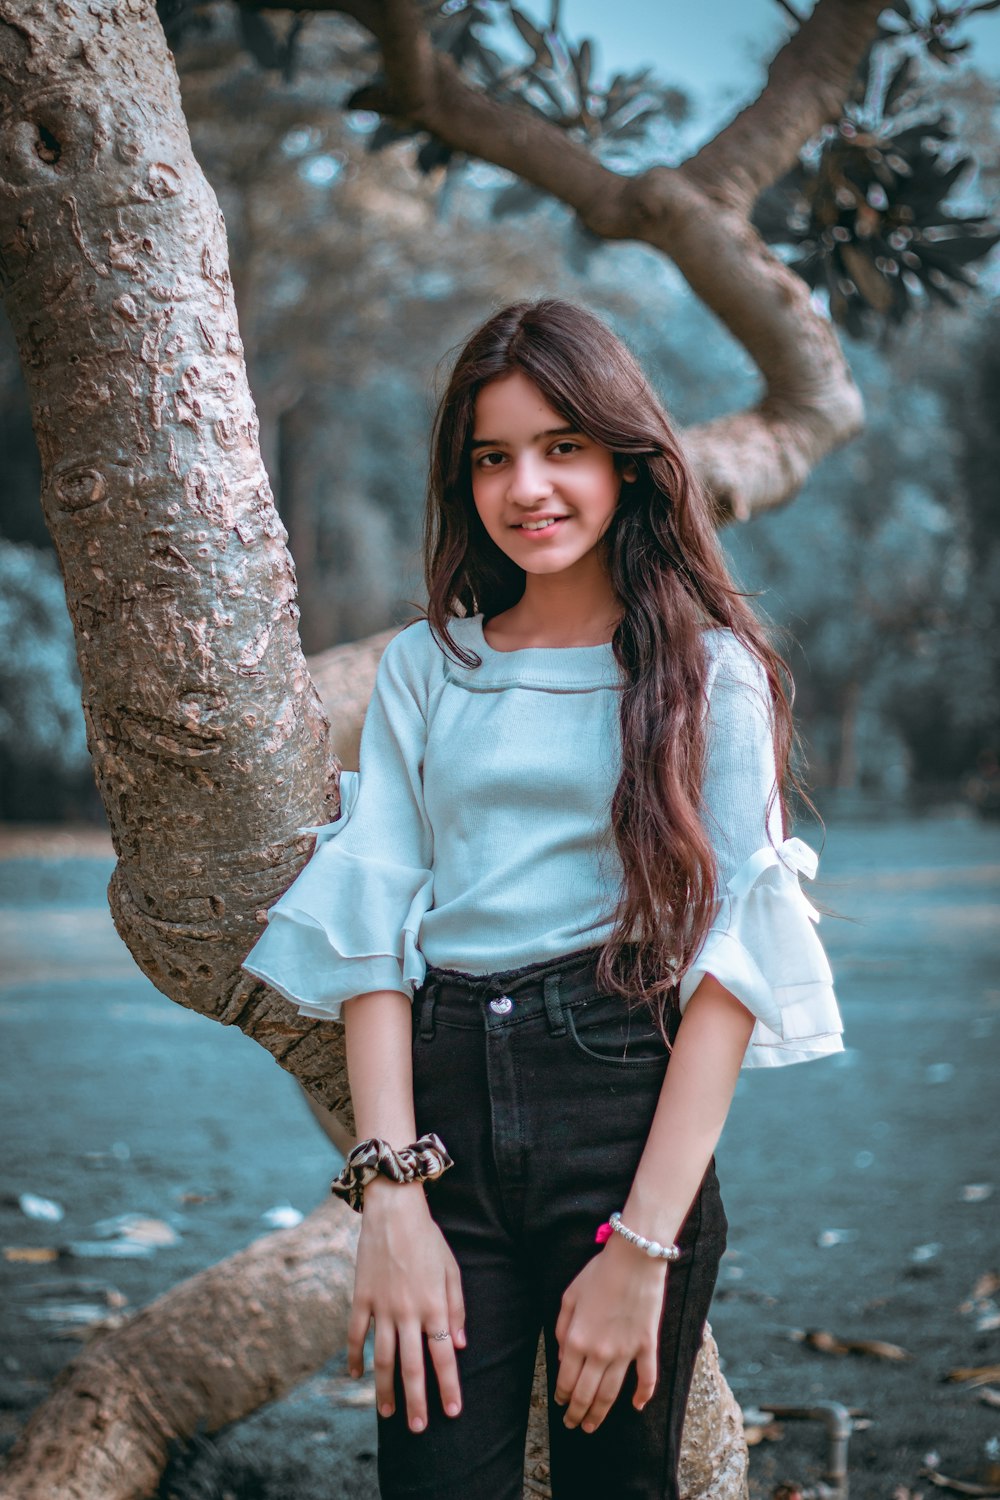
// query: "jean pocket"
[[608, 1029]]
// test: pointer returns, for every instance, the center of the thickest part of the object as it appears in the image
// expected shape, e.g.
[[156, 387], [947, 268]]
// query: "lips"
[[519, 526]]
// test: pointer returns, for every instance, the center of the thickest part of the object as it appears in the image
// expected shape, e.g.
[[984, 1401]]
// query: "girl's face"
[[529, 465]]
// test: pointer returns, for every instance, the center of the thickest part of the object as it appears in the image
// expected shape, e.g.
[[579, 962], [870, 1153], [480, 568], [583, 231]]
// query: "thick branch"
[[805, 89], [753, 460]]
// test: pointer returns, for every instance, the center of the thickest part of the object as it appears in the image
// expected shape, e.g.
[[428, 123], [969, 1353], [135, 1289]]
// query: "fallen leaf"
[[283, 1216], [976, 1192], [828, 1237], [30, 1252], [974, 1374], [66, 1312], [35, 1207], [989, 1397], [139, 1229], [112, 1249], [772, 1432], [961, 1486], [825, 1342]]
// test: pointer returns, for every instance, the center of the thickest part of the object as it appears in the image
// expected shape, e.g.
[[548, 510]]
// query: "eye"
[[481, 460], [567, 443]]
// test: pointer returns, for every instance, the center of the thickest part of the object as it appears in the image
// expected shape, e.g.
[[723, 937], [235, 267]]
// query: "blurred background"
[[361, 256]]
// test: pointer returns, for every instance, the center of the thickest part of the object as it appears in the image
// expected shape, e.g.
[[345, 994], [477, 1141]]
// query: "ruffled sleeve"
[[763, 945], [350, 921]]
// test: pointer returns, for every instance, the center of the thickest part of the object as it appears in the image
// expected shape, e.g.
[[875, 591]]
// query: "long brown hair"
[[669, 573]]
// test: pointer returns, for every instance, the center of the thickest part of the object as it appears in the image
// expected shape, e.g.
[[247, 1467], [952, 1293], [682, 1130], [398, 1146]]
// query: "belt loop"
[[553, 1005], [427, 1010]]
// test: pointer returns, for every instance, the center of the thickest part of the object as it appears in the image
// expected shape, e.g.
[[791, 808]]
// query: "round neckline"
[[557, 669], [530, 650]]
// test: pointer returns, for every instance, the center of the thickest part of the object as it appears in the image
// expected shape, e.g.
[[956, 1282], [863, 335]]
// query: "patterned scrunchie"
[[425, 1159]]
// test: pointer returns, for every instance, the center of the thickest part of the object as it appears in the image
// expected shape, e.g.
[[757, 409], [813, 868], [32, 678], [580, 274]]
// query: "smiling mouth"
[[548, 526]]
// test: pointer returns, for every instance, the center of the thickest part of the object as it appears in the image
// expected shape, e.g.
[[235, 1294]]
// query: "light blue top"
[[476, 836]]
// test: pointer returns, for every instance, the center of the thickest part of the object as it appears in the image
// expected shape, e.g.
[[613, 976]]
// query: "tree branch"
[[754, 460], [805, 89]]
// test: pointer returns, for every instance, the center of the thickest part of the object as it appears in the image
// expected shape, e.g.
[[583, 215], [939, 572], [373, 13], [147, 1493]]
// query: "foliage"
[[865, 207]]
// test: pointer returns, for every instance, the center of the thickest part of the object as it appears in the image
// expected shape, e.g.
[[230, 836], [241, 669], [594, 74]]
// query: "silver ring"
[[444, 1335]]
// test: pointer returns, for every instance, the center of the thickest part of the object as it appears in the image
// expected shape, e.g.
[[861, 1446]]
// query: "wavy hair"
[[668, 571]]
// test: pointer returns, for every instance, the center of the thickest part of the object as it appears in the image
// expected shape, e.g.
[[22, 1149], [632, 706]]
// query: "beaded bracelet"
[[424, 1160], [652, 1248]]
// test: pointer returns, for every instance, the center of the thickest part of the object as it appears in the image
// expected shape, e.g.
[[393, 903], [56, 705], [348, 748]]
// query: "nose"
[[527, 483]]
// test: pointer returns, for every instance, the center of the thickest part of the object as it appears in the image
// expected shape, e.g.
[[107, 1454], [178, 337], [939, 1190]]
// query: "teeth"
[[536, 525]]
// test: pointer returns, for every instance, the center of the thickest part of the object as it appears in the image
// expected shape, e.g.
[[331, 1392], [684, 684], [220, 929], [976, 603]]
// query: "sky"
[[716, 50]]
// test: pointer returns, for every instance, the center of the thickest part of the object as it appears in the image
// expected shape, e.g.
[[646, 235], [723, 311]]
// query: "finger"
[[584, 1391], [442, 1353], [606, 1395], [570, 1365], [646, 1376], [456, 1306], [385, 1366], [357, 1332], [411, 1364]]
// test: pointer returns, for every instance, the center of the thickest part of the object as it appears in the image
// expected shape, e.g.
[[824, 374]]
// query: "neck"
[[559, 609]]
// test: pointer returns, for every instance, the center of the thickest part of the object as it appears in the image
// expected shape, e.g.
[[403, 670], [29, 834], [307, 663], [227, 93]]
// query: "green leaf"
[[534, 38]]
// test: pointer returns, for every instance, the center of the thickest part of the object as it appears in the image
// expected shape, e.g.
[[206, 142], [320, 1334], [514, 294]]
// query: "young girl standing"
[[557, 914]]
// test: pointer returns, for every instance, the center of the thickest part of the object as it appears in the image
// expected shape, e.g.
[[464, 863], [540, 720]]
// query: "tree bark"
[[209, 743]]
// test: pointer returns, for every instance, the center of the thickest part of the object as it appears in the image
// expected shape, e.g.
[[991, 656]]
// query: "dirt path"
[[862, 1191]]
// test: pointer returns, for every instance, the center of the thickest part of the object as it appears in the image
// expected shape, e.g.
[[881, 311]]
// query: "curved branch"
[[753, 460], [806, 86]]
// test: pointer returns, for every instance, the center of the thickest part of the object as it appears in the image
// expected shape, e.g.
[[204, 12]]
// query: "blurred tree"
[[207, 736]]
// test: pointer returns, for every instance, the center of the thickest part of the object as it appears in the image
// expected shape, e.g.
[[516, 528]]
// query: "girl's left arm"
[[611, 1312]]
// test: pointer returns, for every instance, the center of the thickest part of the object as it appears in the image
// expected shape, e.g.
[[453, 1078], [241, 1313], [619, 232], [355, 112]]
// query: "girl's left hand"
[[610, 1316]]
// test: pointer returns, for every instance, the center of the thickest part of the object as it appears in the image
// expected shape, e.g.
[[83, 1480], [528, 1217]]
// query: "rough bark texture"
[[211, 1350], [208, 739]]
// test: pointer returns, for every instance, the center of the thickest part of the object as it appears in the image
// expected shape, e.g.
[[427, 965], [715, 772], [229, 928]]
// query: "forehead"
[[513, 402]]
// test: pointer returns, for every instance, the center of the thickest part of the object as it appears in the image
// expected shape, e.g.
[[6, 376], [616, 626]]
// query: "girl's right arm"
[[406, 1276]]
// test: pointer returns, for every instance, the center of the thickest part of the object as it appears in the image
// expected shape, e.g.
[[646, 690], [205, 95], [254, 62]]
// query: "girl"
[[560, 867]]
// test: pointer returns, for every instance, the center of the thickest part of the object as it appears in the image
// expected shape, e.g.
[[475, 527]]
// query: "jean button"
[[502, 1005]]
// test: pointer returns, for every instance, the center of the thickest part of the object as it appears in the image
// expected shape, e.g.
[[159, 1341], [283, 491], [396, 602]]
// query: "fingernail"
[[385, 1409], [453, 1408], [460, 1338], [417, 1424], [588, 1426]]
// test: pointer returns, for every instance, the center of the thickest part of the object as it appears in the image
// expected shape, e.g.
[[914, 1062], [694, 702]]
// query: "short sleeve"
[[350, 921], [763, 945]]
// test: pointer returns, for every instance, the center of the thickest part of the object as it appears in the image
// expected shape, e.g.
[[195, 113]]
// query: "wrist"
[[652, 1217], [382, 1195]]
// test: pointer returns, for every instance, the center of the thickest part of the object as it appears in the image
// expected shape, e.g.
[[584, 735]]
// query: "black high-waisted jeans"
[[543, 1091]]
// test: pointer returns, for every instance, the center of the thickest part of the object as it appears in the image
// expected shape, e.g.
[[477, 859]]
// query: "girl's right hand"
[[408, 1280]]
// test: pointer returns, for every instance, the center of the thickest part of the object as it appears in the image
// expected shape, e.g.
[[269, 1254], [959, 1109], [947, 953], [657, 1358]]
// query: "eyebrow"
[[549, 432]]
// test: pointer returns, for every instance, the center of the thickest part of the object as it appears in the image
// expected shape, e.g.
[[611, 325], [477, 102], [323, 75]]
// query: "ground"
[[862, 1190]]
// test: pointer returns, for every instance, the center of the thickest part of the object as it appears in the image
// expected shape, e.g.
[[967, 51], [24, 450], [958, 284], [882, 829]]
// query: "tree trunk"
[[210, 745]]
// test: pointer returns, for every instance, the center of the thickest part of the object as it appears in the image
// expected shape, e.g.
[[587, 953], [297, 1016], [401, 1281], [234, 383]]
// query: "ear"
[[630, 474]]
